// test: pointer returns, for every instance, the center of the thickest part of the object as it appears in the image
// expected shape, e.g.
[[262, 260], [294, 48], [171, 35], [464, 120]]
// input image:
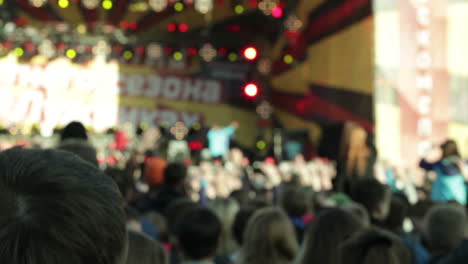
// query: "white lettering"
[[172, 88], [424, 82], [424, 126], [424, 104]]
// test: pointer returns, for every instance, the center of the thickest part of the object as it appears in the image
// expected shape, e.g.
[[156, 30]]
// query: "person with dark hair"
[[175, 175], [55, 208], [144, 250], [458, 256], [374, 246], [399, 211], [198, 236], [74, 139], [450, 182], [239, 226], [374, 196], [445, 228], [174, 213], [269, 238], [295, 201], [123, 181], [330, 229], [74, 130]]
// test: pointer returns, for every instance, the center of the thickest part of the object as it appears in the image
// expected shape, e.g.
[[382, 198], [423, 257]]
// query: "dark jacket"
[[458, 256]]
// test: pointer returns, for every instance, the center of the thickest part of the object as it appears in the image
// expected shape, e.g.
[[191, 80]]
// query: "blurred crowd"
[[137, 204]]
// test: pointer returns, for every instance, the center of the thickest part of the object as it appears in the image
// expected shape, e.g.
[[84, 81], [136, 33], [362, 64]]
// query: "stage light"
[[128, 55], [140, 50], [90, 4], [71, 53], [19, 52], [1, 2], [250, 53], [251, 90], [288, 59], [261, 144], [37, 3], [154, 51], [47, 49], [63, 3], [171, 27], [204, 6], [239, 9], [232, 57], [158, 5], [178, 56], [107, 4], [192, 51], [208, 52], [222, 51], [293, 23], [277, 12], [196, 126], [179, 7], [183, 27]]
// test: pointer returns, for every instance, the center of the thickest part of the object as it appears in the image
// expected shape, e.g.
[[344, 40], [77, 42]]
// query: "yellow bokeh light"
[[107, 4], [63, 3], [239, 9], [178, 56], [71, 54], [288, 59], [19, 52]]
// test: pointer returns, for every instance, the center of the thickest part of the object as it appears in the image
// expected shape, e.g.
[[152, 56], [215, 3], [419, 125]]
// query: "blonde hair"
[[226, 209], [269, 238]]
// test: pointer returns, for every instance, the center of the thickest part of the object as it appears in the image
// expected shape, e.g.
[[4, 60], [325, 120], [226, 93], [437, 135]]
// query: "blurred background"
[[299, 76]]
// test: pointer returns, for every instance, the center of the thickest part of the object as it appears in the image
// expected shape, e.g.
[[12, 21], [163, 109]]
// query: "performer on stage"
[[219, 138], [450, 182]]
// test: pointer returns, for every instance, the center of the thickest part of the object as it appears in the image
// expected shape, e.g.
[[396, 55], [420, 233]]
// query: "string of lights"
[[268, 7]]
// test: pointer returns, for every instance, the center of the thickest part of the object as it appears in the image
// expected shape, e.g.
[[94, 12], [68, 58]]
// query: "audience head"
[[198, 234], [374, 196], [445, 227], [160, 224], [226, 210], [54, 208], [175, 175], [240, 224], [331, 228], [74, 130], [398, 212], [269, 238], [123, 181], [295, 201], [175, 212], [144, 250], [82, 149], [358, 211], [374, 246]]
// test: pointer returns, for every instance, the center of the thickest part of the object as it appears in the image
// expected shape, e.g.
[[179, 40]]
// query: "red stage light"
[[133, 25], [171, 27], [140, 50], [183, 28], [223, 51], [124, 25], [192, 51], [168, 50], [277, 12], [251, 90], [250, 53]]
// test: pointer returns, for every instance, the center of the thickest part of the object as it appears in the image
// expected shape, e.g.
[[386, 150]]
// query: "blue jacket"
[[450, 183]]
